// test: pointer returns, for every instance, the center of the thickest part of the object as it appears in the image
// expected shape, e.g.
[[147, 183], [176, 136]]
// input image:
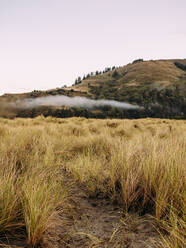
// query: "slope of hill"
[[127, 82], [159, 86], [158, 72]]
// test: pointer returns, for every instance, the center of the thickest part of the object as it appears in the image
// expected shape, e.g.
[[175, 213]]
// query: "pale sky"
[[48, 43]]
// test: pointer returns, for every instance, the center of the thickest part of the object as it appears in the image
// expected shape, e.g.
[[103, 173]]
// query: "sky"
[[46, 44]]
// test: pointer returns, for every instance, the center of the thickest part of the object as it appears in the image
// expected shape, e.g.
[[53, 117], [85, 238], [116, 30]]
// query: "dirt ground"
[[96, 223]]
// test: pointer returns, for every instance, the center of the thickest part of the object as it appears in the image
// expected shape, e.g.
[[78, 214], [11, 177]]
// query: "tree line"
[[79, 79]]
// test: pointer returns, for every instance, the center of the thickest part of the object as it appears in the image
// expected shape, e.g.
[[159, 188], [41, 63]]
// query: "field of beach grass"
[[138, 166]]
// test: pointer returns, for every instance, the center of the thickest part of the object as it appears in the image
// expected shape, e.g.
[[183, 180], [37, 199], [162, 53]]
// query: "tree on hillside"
[[115, 74], [78, 80]]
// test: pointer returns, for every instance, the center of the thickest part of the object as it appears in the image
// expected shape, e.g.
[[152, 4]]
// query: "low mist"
[[77, 101]]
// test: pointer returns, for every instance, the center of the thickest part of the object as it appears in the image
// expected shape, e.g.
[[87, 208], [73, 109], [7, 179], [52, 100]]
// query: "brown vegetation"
[[138, 165]]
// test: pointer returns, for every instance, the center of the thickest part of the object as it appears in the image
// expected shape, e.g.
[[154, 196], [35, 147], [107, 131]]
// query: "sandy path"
[[96, 223]]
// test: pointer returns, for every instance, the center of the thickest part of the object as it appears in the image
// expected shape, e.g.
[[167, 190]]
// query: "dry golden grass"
[[138, 163], [161, 72]]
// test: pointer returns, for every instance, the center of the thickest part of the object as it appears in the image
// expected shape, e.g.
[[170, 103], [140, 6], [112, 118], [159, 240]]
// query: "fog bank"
[[76, 101]]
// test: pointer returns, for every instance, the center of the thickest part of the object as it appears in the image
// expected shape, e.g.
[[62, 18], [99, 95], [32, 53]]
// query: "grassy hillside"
[[158, 86], [156, 74], [92, 183], [142, 82]]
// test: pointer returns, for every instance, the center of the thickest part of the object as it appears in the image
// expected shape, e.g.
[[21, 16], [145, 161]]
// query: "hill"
[[146, 83], [158, 86]]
